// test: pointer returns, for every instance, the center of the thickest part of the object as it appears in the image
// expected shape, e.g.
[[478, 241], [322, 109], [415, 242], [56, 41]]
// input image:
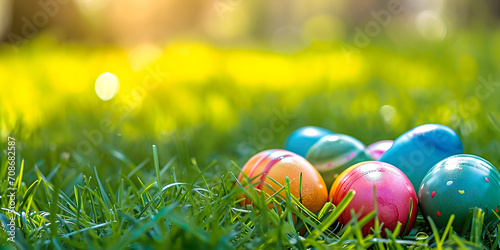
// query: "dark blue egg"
[[418, 150], [300, 140]]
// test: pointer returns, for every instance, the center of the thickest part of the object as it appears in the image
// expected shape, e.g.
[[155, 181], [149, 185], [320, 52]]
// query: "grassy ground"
[[87, 175]]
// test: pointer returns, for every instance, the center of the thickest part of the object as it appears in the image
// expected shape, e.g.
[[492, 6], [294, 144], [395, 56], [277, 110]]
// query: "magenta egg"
[[395, 195], [377, 149]]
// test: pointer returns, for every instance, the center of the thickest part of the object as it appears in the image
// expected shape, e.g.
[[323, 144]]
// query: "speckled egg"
[[395, 194], [457, 184], [300, 140], [277, 164], [416, 151], [332, 154], [377, 149]]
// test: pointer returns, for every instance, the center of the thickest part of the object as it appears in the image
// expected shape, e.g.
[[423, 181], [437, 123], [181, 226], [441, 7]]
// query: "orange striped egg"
[[277, 164]]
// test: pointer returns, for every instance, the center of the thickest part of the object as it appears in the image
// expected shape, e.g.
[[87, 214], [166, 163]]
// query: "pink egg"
[[377, 149], [395, 195]]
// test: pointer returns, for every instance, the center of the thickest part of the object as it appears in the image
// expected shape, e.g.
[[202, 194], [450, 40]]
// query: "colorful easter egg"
[[332, 154], [300, 140], [277, 164], [377, 149], [457, 184], [394, 192], [419, 149]]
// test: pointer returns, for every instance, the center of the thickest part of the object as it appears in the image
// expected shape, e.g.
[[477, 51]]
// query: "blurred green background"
[[97, 82]]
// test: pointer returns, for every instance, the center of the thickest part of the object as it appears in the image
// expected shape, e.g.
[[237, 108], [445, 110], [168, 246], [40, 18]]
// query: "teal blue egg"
[[300, 140], [457, 184], [418, 150], [332, 154]]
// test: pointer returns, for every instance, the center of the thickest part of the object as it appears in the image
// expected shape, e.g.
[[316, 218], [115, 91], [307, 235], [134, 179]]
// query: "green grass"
[[197, 212], [182, 192]]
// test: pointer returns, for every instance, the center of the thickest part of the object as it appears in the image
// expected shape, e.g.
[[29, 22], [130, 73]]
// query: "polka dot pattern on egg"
[[462, 183]]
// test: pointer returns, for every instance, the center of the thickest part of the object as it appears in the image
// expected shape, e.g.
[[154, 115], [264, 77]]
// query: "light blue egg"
[[418, 150], [300, 140]]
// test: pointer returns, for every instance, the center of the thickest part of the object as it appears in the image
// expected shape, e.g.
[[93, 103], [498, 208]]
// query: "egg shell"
[[278, 164], [394, 194], [377, 149], [332, 154], [300, 140], [457, 184], [418, 150]]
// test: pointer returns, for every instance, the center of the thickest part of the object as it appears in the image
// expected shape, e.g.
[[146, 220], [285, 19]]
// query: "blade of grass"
[[157, 166], [435, 233], [330, 219]]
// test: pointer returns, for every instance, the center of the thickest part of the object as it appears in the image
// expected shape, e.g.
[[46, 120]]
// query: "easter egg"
[[332, 154], [300, 140], [394, 192], [377, 149], [277, 164], [419, 149], [457, 184]]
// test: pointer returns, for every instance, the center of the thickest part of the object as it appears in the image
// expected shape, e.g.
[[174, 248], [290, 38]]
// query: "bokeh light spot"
[[431, 26], [388, 113], [106, 86]]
